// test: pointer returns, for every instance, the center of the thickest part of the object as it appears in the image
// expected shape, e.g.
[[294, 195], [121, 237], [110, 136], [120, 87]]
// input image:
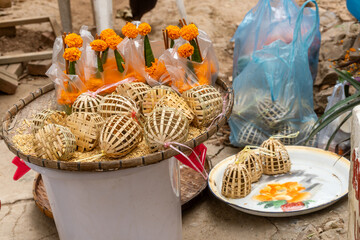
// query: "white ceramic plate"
[[323, 174]]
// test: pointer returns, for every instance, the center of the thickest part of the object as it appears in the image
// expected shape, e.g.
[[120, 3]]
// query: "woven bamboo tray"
[[192, 185], [43, 98]]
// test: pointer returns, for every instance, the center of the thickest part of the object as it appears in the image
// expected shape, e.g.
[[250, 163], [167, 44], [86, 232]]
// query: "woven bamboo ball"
[[174, 101], [286, 129], [46, 117], [236, 182], [133, 90], [165, 125], [252, 162], [206, 103], [55, 142], [86, 128], [153, 95], [277, 160], [272, 112], [86, 102], [120, 135], [115, 104], [251, 135]]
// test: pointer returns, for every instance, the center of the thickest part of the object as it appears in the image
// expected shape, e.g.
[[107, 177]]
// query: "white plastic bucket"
[[131, 204]]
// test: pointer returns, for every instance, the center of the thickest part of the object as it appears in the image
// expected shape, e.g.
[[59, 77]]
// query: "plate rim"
[[290, 213]]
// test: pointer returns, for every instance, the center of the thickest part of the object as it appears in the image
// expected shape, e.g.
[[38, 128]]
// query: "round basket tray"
[[44, 97], [192, 185]]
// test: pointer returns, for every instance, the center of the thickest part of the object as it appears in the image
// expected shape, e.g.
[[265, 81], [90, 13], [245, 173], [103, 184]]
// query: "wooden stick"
[[25, 57], [66, 61], [184, 21], [181, 23], [22, 21], [167, 38], [164, 37]]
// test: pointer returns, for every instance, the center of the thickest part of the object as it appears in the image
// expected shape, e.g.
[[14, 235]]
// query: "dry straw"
[[86, 102], [86, 128], [236, 181], [271, 111], [174, 101], [115, 104], [206, 103], [165, 125], [278, 161], [120, 135], [250, 135], [133, 90], [46, 117], [251, 159], [153, 95], [55, 142]]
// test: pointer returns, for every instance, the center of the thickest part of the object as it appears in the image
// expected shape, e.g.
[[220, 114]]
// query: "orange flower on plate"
[[130, 30], [99, 45], [73, 40], [105, 34], [113, 41], [144, 29], [186, 50], [72, 54], [173, 32], [189, 32]]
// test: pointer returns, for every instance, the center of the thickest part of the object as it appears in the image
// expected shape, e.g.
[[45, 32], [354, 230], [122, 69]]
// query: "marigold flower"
[[189, 32], [144, 29], [73, 40], [98, 45], [157, 70], [72, 54], [107, 33], [173, 32], [113, 41], [130, 30], [186, 50]]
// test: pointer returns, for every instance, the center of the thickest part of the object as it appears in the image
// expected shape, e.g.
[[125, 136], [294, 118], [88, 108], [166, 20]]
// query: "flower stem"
[[104, 56], [148, 54], [72, 68], [196, 57], [99, 62], [119, 61], [172, 43]]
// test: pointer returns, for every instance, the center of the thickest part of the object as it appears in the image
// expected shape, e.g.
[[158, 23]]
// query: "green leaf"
[[333, 116], [279, 203], [72, 68], [104, 56], [99, 63], [196, 55], [336, 130], [119, 61], [148, 54], [349, 79], [172, 43], [307, 202], [275, 204]]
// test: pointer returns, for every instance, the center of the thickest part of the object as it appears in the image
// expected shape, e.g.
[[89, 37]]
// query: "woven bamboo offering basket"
[[165, 125], [236, 181], [120, 135], [286, 129], [277, 161], [86, 127], [206, 103], [174, 101], [272, 112], [87, 103], [252, 162], [133, 90], [250, 135], [47, 117], [43, 98], [55, 142], [116, 104], [153, 95]]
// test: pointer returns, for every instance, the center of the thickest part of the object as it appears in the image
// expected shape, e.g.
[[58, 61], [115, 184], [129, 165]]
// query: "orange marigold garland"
[[130, 30], [73, 40]]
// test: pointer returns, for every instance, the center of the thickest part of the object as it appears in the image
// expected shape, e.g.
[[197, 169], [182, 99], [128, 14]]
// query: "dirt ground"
[[209, 219]]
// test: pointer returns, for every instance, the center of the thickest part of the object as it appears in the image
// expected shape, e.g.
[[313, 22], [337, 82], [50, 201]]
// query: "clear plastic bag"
[[273, 93], [270, 21], [344, 132]]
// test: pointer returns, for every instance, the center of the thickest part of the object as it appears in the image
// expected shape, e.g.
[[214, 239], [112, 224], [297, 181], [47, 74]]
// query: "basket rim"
[[116, 164]]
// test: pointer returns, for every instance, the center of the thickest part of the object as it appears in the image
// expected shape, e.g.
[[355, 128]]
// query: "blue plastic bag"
[[273, 83], [354, 8]]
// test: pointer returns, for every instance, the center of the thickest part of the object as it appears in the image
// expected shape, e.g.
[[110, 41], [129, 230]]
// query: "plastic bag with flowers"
[[193, 60]]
